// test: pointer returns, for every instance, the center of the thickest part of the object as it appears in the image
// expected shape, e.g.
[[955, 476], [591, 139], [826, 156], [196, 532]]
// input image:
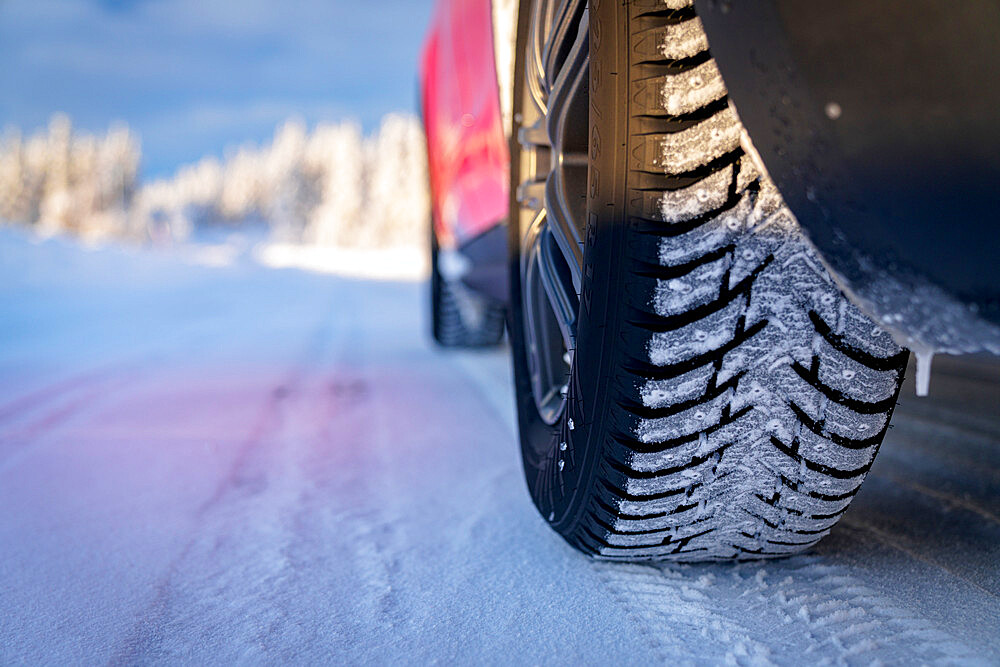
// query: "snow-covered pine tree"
[[331, 186]]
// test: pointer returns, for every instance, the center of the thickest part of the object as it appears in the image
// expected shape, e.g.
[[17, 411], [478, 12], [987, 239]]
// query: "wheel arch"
[[880, 126]]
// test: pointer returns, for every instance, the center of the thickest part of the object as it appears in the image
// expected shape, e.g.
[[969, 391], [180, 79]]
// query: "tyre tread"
[[691, 487]]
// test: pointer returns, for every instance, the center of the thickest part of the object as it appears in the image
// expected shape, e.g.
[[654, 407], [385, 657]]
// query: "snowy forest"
[[329, 186]]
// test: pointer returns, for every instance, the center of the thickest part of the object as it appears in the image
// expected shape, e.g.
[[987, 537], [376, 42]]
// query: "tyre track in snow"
[[26, 435], [137, 356], [27, 419], [27, 424], [813, 607], [341, 527], [774, 613], [676, 614], [53, 392], [222, 582], [29, 415], [288, 519]]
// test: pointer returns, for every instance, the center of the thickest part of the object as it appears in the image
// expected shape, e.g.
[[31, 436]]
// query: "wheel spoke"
[[541, 257], [562, 35], [550, 320], [535, 78], [558, 286], [567, 130], [562, 227], [531, 194]]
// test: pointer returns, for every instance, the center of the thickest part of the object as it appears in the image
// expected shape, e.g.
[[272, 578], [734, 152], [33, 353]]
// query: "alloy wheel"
[[552, 195]]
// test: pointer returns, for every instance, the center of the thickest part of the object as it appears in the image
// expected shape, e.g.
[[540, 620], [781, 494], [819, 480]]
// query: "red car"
[[468, 166], [713, 262]]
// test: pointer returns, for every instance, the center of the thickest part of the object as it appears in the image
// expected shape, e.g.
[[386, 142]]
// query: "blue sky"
[[195, 76]]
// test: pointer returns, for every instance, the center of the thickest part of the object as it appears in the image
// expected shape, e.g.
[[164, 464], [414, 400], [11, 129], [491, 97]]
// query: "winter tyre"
[[461, 317], [691, 382]]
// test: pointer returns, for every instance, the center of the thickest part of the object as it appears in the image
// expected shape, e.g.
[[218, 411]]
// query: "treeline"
[[61, 181], [329, 186]]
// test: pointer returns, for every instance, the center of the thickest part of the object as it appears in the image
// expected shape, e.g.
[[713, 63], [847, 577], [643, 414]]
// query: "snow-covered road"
[[217, 465]]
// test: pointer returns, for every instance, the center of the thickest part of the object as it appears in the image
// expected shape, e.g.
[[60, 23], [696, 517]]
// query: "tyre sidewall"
[[562, 494]]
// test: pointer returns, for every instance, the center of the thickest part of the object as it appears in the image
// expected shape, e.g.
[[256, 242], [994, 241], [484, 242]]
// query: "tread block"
[[677, 94], [673, 41], [685, 151], [700, 337]]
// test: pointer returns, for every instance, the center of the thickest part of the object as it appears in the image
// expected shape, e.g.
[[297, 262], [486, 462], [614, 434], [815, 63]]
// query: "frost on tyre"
[[694, 385]]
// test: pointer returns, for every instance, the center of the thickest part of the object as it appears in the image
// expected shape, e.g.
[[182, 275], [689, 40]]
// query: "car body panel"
[[467, 149]]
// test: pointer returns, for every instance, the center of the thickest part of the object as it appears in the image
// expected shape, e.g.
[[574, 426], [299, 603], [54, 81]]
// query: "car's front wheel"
[[691, 383]]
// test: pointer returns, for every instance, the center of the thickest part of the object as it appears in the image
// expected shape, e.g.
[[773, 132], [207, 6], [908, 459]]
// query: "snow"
[[684, 151], [709, 194], [234, 463], [693, 89], [683, 40], [390, 263]]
